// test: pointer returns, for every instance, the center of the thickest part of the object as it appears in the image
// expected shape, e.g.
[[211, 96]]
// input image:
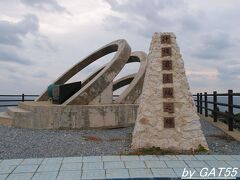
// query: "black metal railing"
[[6, 98], [203, 102]]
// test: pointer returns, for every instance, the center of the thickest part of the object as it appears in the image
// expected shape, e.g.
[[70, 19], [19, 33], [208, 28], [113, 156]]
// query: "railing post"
[[22, 97], [230, 110], [206, 104], [198, 102], [214, 106], [200, 107]]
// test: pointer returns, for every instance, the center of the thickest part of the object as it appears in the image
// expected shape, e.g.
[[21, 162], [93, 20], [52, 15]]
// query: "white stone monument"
[[167, 116]]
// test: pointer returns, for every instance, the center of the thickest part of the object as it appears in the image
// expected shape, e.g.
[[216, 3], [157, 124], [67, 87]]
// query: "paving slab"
[[223, 157], [155, 164], [236, 157], [148, 157], [49, 167], [69, 175], [92, 158], [32, 161], [45, 175], [20, 176], [235, 163], [196, 163], [26, 168], [175, 164], [205, 157], [117, 173], [52, 160], [72, 159], [167, 157], [135, 164], [217, 164], [113, 165], [71, 166], [93, 174], [6, 169], [11, 162], [3, 176], [92, 165], [130, 158], [166, 173], [111, 158], [186, 157], [140, 173]]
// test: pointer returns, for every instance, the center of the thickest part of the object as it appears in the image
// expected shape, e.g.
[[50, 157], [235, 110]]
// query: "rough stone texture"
[[44, 115], [149, 128]]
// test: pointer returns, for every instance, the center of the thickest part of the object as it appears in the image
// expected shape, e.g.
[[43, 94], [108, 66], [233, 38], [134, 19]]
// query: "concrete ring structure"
[[96, 85], [123, 81], [135, 81], [134, 90]]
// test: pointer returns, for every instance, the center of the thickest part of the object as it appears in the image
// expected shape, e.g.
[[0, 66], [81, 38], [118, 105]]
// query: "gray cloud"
[[12, 36], [40, 74], [10, 55], [11, 33], [146, 17], [215, 46], [47, 5]]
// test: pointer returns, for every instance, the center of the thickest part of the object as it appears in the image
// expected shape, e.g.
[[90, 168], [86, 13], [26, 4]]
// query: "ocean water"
[[222, 99], [18, 100], [236, 101]]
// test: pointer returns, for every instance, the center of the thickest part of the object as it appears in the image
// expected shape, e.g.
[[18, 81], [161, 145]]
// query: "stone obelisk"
[[167, 116]]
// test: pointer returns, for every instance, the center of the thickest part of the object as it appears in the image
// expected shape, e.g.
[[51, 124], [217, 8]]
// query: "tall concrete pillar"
[[167, 115]]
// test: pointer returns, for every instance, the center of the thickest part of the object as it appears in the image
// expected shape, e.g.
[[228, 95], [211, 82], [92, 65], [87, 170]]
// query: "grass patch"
[[158, 151], [92, 138], [118, 139]]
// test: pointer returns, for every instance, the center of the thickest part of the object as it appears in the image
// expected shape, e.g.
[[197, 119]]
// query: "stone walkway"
[[119, 167]]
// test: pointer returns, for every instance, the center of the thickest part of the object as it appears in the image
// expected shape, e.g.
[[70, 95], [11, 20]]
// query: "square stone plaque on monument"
[[167, 65], [167, 78], [167, 92], [166, 39], [166, 51], [168, 107], [169, 122]]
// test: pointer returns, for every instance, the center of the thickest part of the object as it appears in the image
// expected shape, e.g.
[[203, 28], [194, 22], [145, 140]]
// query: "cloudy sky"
[[40, 39]]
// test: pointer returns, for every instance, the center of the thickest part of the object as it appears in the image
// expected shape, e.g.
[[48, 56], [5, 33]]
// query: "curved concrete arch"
[[102, 79], [123, 81], [134, 90]]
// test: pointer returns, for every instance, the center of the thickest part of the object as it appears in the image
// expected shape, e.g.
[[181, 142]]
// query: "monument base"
[[44, 115]]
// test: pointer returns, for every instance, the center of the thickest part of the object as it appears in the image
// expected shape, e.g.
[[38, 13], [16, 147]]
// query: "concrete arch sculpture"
[[96, 85], [134, 90]]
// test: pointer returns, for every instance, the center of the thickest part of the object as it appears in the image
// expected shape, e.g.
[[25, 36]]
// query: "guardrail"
[[22, 98], [202, 103], [18, 98]]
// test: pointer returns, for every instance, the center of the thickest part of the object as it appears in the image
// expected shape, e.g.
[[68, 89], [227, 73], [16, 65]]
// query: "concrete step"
[[12, 111], [5, 119]]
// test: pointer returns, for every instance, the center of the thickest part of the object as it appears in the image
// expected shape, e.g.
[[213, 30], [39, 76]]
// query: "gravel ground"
[[218, 141], [26, 143]]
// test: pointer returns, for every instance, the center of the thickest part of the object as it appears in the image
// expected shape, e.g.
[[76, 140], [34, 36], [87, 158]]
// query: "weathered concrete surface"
[[44, 115], [105, 97], [5, 119], [102, 80], [149, 129], [134, 90]]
